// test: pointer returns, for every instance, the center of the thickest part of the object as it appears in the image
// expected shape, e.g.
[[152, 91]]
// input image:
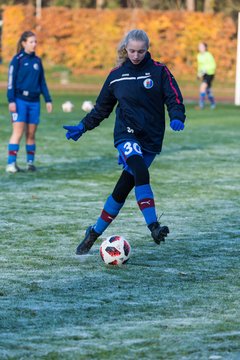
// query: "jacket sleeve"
[[172, 96], [103, 108], [12, 75], [43, 86]]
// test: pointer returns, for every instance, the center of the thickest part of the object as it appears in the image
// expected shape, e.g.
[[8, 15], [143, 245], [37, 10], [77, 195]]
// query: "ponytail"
[[23, 37]]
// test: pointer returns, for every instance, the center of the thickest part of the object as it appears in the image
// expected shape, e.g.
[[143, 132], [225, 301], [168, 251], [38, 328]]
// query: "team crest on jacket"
[[36, 66], [148, 83]]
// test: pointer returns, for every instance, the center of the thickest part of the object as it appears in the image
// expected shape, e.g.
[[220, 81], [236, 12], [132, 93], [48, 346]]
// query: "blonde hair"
[[136, 35]]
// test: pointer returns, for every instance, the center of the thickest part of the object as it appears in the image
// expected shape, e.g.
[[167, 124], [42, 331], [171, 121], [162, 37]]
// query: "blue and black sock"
[[109, 212], [145, 200], [12, 153]]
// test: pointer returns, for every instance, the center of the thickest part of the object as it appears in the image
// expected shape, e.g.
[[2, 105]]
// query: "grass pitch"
[[176, 301]]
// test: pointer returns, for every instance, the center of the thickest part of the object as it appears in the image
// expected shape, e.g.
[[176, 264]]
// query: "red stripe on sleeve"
[[170, 81]]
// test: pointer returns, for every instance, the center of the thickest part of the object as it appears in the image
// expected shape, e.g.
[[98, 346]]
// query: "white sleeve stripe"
[[10, 77], [143, 77], [130, 78]]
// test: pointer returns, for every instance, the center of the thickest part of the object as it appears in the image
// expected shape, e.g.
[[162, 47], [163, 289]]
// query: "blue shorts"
[[130, 148], [27, 111]]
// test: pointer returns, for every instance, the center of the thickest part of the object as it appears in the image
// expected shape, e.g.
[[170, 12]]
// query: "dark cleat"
[[158, 232], [31, 167], [90, 238]]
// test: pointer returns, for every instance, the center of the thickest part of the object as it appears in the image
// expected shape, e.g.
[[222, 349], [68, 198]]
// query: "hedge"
[[85, 40]]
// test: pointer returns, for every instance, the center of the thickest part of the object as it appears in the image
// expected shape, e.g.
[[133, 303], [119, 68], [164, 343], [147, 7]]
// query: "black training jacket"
[[140, 92]]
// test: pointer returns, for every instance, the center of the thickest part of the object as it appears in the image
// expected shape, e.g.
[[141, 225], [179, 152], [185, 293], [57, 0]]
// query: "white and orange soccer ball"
[[115, 250]]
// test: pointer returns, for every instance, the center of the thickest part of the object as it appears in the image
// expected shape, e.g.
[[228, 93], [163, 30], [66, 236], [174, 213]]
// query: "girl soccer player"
[[140, 87], [26, 82], [206, 72]]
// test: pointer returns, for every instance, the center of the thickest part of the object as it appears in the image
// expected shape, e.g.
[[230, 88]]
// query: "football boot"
[[158, 232], [31, 167], [90, 237], [12, 168]]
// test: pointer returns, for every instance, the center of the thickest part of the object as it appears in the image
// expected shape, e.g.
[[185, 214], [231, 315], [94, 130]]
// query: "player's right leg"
[[110, 210], [18, 126], [202, 94], [13, 147]]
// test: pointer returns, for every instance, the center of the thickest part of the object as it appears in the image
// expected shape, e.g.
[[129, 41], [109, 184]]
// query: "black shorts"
[[208, 79]]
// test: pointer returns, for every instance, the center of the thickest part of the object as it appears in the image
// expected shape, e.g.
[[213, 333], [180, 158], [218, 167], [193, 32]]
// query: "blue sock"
[[30, 150], [144, 196], [109, 212], [202, 99], [12, 153]]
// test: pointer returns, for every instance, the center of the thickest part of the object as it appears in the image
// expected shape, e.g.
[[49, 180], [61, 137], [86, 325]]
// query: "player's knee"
[[123, 187], [139, 169]]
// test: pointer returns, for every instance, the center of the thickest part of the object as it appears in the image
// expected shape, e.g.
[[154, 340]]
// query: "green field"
[[178, 301]]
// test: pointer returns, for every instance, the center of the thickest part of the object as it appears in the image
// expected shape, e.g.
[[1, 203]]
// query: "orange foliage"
[[86, 39], [16, 19]]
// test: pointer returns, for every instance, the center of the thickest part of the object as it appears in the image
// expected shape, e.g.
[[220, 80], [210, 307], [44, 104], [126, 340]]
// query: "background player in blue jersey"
[[140, 87], [26, 82]]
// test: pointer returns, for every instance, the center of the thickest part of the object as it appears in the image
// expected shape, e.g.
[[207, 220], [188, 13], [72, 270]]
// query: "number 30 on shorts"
[[131, 147]]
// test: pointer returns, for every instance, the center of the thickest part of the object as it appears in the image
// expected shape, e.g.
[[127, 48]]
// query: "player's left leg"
[[211, 98], [138, 162], [210, 95], [31, 128], [208, 79], [30, 146], [145, 198]]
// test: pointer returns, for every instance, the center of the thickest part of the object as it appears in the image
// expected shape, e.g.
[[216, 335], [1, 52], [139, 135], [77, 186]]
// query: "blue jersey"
[[26, 78], [141, 93]]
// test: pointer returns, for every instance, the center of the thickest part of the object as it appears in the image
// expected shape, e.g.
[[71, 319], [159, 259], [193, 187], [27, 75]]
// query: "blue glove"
[[74, 132], [176, 125]]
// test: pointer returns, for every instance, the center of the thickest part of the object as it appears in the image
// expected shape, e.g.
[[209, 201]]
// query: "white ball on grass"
[[67, 106], [87, 106], [115, 250]]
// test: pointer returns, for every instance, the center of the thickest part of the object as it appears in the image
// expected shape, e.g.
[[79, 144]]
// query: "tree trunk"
[[190, 5], [209, 6], [99, 4]]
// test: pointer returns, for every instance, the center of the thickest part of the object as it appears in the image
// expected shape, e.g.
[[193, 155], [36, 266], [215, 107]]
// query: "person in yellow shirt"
[[206, 72]]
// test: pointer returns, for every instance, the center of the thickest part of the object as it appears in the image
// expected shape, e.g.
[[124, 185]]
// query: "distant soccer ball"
[[87, 106], [115, 250], [67, 106]]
